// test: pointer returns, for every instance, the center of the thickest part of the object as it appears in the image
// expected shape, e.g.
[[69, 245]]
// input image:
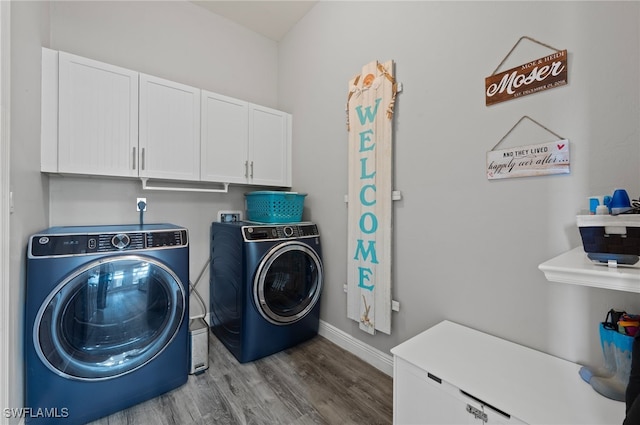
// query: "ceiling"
[[273, 19]]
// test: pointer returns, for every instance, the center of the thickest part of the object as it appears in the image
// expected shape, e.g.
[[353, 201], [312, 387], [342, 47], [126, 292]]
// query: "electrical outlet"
[[229, 216], [138, 200]]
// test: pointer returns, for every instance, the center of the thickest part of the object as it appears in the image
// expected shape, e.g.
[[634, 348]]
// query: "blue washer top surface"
[[109, 228]]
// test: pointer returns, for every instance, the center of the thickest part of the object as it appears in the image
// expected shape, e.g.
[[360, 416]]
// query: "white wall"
[[176, 40], [29, 29], [465, 248]]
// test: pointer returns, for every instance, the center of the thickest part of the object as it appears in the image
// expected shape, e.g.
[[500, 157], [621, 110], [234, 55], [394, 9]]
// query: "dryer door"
[[288, 283], [109, 318]]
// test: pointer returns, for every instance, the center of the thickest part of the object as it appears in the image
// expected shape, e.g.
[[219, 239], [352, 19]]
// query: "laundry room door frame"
[[5, 203]]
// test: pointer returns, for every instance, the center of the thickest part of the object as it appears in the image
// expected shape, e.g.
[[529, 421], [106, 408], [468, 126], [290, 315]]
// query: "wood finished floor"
[[316, 382]]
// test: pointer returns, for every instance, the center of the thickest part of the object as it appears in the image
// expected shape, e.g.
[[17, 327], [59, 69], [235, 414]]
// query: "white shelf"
[[575, 268]]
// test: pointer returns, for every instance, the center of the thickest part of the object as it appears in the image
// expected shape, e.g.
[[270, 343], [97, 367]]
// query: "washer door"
[[288, 283], [109, 318]]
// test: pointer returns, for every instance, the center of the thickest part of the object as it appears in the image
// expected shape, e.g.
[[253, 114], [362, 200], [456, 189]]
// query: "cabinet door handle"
[[477, 413], [142, 160], [251, 169], [134, 158], [246, 169], [483, 404]]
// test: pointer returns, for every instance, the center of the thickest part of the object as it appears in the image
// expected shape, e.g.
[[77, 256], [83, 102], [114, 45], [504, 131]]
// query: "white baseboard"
[[373, 356]]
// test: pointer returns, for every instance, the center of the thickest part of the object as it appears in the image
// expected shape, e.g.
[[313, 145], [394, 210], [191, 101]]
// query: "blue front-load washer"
[[265, 286], [106, 319]]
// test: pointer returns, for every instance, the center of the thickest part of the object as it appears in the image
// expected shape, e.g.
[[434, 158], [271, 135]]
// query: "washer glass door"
[[288, 283], [109, 318]]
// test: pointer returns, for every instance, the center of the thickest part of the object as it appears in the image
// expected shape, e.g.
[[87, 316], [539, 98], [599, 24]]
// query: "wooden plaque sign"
[[370, 104], [532, 160], [541, 74]]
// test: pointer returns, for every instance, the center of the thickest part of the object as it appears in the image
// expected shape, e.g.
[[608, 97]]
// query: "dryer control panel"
[[283, 231], [55, 245]]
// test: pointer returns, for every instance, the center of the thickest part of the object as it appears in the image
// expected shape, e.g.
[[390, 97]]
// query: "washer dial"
[[120, 241]]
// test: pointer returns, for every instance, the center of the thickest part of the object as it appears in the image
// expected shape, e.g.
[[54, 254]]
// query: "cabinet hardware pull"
[[246, 169], [483, 403], [434, 377], [142, 160], [477, 413], [251, 169], [134, 158]]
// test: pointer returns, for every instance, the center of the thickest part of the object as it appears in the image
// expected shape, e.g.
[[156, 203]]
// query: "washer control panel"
[[55, 245], [260, 232]]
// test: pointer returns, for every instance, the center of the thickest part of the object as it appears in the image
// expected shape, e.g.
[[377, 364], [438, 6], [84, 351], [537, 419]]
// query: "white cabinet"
[[96, 113], [224, 150], [244, 143], [451, 374], [422, 398], [169, 145], [269, 146], [99, 119]]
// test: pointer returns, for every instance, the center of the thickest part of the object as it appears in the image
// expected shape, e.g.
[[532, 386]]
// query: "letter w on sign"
[[370, 105]]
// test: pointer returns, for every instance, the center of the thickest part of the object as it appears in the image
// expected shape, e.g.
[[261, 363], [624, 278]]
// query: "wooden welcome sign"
[[532, 77], [370, 105]]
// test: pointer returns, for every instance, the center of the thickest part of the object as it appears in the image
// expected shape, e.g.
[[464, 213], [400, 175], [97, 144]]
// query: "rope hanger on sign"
[[518, 123], [516, 45]]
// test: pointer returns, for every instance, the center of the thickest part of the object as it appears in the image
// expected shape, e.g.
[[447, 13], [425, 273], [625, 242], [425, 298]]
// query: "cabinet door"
[[269, 146], [169, 130], [224, 139], [421, 398], [418, 399], [98, 117]]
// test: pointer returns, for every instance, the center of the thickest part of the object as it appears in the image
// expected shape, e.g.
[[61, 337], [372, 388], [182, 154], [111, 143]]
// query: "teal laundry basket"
[[275, 206]]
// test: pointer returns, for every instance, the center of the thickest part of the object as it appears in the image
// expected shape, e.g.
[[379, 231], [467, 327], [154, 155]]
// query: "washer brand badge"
[[43, 240]]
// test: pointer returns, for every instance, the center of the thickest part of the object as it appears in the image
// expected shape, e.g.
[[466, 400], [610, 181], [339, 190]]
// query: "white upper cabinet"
[[244, 143], [100, 119], [224, 139], [169, 145], [269, 146], [97, 117]]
